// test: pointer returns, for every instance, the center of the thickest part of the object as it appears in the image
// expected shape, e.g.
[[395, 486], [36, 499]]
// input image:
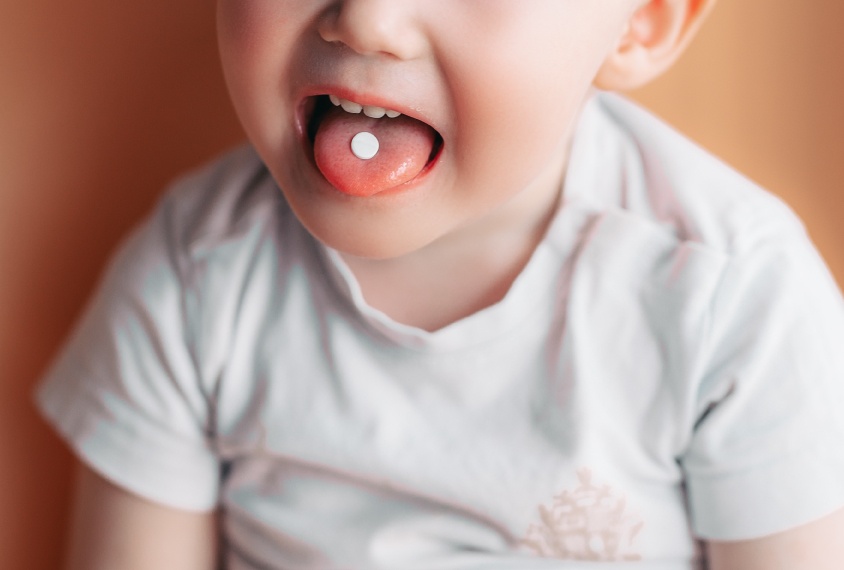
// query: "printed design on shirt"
[[588, 523]]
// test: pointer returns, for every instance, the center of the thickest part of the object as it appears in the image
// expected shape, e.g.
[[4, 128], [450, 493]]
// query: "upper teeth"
[[368, 110]]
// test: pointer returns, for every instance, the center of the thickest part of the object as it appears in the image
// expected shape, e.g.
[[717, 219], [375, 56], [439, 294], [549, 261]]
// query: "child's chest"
[[352, 457]]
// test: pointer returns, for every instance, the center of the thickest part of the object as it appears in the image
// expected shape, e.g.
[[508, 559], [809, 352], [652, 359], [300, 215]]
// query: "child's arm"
[[815, 546], [116, 530]]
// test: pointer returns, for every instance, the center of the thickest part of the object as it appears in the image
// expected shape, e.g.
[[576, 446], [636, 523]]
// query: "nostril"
[[327, 26], [371, 27]]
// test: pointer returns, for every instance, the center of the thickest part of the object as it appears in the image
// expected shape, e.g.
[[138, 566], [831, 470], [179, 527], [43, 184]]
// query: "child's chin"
[[373, 238]]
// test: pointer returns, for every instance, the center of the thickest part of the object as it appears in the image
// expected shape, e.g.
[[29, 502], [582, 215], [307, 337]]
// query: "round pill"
[[365, 145]]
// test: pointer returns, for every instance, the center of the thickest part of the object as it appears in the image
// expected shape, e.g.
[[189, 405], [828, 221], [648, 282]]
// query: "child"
[[519, 324]]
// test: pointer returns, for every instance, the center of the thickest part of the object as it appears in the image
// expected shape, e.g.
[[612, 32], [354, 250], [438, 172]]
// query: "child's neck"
[[467, 270]]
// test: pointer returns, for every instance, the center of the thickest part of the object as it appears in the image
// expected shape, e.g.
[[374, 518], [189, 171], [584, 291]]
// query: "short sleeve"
[[125, 392], [767, 451]]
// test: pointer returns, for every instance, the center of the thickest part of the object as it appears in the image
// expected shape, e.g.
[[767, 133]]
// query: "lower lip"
[[302, 131]]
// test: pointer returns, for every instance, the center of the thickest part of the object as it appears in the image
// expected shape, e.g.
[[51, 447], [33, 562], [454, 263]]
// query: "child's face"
[[501, 81]]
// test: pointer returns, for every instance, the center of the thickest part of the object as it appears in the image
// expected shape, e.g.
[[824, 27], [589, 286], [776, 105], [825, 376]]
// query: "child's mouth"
[[404, 147]]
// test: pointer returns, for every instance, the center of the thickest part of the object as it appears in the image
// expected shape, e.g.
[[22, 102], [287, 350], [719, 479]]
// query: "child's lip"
[[358, 97]]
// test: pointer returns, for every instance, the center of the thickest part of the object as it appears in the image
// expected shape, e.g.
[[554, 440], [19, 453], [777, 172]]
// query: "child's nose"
[[376, 26]]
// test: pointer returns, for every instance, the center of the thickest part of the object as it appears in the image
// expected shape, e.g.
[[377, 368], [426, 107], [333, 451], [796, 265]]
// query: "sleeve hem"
[[747, 505], [135, 454]]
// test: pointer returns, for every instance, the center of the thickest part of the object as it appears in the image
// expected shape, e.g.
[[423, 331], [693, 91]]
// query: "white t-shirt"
[[669, 363]]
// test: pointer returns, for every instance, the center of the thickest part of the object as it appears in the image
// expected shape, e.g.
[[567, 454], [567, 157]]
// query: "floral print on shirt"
[[588, 523]]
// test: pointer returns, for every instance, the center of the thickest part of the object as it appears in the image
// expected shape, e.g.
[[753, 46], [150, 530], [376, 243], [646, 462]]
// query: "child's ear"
[[653, 38]]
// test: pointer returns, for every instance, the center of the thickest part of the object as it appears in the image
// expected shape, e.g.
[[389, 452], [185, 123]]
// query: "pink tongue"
[[405, 146]]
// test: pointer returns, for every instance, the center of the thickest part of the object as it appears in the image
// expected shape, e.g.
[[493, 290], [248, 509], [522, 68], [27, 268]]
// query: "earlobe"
[[652, 39]]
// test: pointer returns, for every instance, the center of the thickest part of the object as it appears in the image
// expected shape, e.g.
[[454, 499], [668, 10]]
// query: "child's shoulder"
[[207, 237], [220, 202], [661, 176]]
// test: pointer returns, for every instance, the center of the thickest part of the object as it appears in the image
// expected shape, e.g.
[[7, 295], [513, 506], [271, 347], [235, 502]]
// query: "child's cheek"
[[511, 118], [234, 22], [254, 33], [239, 40], [253, 37]]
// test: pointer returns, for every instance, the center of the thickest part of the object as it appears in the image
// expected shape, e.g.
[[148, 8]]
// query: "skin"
[[503, 85], [476, 71], [116, 530]]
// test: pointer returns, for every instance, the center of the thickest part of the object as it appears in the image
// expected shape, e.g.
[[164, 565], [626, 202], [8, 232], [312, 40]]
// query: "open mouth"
[[363, 150]]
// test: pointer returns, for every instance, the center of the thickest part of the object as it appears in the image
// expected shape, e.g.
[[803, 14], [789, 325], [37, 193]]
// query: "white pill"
[[365, 145]]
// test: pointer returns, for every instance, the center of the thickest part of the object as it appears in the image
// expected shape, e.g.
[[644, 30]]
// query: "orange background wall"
[[101, 103]]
